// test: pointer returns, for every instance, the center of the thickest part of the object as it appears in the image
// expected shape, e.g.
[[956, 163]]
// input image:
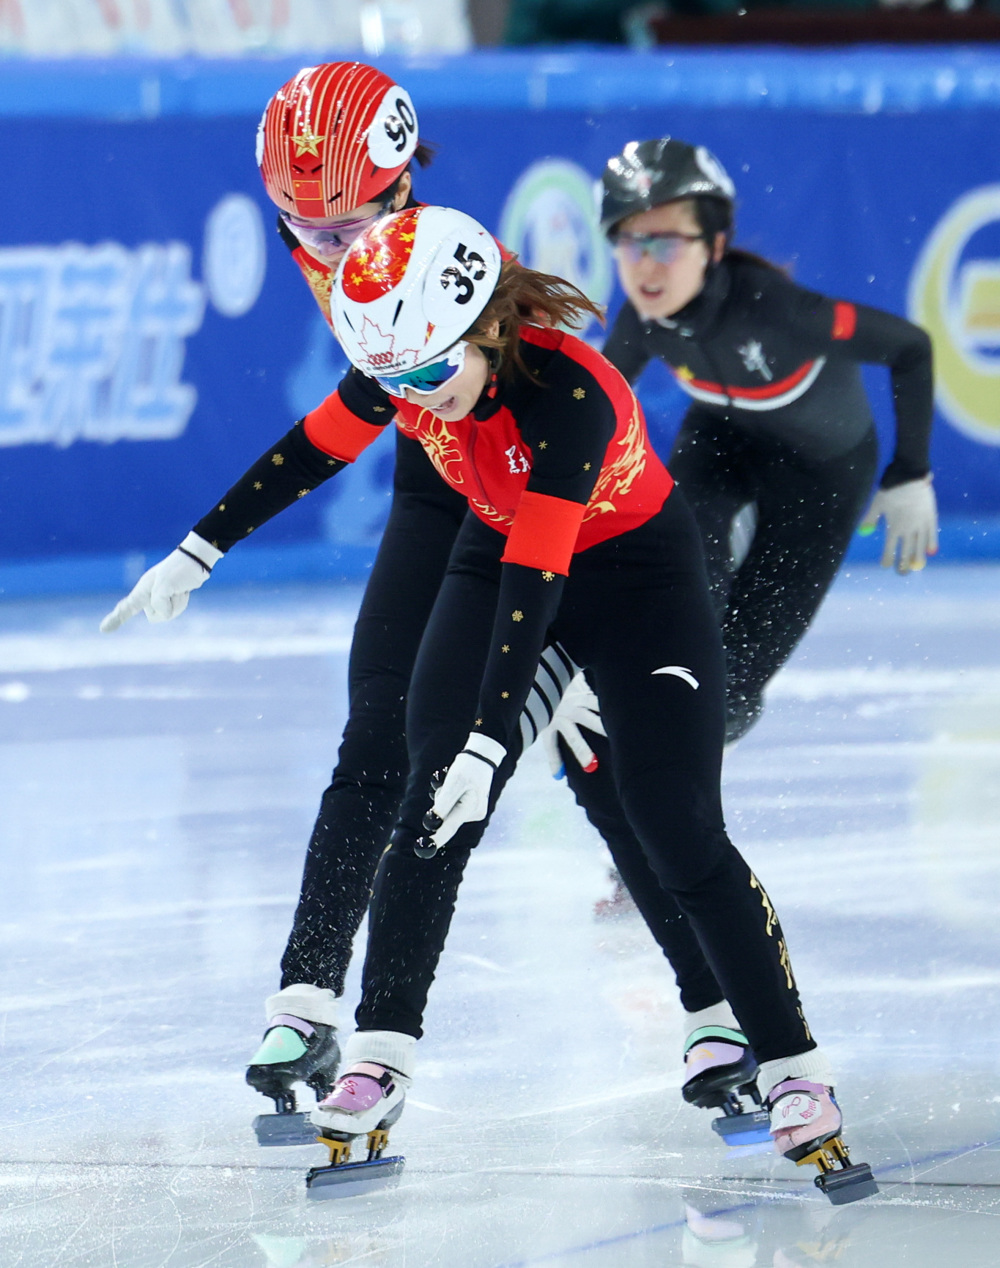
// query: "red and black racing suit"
[[555, 466], [360, 806]]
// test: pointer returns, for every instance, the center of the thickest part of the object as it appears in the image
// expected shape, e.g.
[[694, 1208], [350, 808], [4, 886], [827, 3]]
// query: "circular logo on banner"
[[234, 255], [955, 295], [549, 220]]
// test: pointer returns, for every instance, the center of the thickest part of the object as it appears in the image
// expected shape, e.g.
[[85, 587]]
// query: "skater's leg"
[[595, 791], [360, 806], [805, 519], [655, 654], [666, 749], [415, 897], [710, 463]]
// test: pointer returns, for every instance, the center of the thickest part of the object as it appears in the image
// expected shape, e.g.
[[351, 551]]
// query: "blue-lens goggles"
[[664, 248], [426, 379]]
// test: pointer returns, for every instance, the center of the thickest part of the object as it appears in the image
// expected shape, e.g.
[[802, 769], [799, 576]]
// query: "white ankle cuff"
[[312, 1003], [813, 1066], [386, 1047], [715, 1015]]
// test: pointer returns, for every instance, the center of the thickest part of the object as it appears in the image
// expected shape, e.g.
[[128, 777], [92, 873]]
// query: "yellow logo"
[[957, 301]]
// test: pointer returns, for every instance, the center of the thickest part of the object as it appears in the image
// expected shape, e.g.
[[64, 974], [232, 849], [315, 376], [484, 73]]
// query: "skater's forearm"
[[285, 473], [316, 448], [882, 338], [527, 605]]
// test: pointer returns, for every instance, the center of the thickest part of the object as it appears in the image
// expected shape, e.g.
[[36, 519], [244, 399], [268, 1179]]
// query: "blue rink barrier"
[[155, 337]]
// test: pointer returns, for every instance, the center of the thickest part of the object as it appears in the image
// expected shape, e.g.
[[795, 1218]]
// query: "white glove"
[[911, 523], [464, 796], [578, 708], [162, 592]]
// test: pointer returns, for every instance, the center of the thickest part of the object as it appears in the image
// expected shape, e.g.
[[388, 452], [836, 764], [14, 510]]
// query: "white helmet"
[[410, 287]]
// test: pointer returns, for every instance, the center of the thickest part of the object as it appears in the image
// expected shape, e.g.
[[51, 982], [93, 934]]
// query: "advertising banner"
[[156, 336]]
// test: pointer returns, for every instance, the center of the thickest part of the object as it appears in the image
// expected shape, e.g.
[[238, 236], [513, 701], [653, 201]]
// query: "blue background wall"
[[844, 162]]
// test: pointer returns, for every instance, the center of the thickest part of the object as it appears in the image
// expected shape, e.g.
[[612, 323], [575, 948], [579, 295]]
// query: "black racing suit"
[[779, 421]]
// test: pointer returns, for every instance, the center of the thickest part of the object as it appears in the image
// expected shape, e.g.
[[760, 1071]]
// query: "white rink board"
[[158, 789]]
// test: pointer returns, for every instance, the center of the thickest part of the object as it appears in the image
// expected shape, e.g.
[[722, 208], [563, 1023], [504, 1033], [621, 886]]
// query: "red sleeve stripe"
[[334, 429], [845, 320], [544, 532]]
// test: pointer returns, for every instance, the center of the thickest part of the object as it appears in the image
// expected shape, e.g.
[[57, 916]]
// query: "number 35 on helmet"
[[411, 286]]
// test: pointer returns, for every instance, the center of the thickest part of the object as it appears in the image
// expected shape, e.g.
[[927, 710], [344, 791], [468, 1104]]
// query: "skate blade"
[[848, 1184], [354, 1178], [284, 1129], [751, 1132]]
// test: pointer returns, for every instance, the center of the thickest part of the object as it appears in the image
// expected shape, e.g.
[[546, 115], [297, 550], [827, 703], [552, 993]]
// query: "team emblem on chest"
[[754, 360]]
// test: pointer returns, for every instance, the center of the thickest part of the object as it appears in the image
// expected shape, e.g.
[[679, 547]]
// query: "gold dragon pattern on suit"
[[320, 283], [618, 475], [444, 452]]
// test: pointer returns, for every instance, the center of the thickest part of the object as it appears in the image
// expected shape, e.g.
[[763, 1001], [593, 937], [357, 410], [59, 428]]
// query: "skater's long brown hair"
[[525, 296]]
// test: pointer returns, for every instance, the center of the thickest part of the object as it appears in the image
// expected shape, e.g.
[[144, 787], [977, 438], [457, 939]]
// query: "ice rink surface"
[[158, 787]]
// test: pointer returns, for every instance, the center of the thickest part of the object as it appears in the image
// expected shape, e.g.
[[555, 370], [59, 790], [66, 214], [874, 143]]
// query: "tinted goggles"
[[426, 379], [328, 240], [664, 248]]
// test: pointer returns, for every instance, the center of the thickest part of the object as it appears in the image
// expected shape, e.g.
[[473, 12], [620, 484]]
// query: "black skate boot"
[[720, 1070], [295, 1049]]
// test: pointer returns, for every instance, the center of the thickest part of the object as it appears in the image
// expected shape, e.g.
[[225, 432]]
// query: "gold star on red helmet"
[[307, 142]]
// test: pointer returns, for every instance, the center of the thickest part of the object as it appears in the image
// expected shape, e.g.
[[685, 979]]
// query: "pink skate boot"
[[805, 1124], [366, 1100]]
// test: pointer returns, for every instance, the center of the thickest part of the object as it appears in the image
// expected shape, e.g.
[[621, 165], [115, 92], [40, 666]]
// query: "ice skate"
[[720, 1069], [299, 1046], [805, 1125], [366, 1100]]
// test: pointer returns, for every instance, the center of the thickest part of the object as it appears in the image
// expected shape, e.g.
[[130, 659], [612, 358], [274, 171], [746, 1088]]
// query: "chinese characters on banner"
[[92, 342]]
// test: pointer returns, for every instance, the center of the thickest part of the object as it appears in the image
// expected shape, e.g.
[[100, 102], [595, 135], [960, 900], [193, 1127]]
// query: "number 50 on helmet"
[[410, 287], [334, 137]]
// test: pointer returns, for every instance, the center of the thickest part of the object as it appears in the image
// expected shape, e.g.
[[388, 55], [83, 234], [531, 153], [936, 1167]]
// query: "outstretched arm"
[[316, 448]]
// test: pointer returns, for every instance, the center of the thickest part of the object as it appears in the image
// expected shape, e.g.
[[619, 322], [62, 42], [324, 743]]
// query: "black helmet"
[[649, 173]]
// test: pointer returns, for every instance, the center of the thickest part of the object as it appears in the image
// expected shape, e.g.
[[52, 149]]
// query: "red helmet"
[[334, 137]]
